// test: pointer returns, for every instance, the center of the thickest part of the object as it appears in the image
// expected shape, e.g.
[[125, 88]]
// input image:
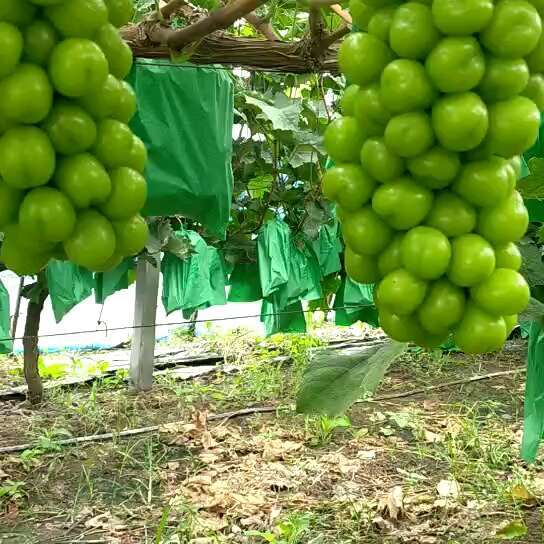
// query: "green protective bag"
[[534, 394], [328, 248], [355, 302], [276, 319], [68, 285], [185, 119], [306, 274], [6, 346], [245, 285], [535, 207], [108, 283], [195, 283], [289, 268], [274, 255]]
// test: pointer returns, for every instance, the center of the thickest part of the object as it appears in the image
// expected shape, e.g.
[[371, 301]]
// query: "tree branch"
[[31, 350], [264, 27], [216, 20], [343, 14], [171, 8], [333, 37], [248, 53]]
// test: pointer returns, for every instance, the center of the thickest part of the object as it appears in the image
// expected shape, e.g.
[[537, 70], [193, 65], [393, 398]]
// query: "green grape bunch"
[[71, 170], [443, 97]]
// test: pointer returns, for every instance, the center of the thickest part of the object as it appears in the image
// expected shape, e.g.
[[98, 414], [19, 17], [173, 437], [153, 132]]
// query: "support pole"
[[15, 321], [143, 338]]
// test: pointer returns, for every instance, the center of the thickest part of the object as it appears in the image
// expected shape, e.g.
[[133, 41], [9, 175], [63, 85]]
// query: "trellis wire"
[[215, 319]]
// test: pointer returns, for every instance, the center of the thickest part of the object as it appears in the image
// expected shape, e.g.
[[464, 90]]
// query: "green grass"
[[325, 489]]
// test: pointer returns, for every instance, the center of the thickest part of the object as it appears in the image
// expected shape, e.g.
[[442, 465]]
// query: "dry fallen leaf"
[[197, 430], [521, 494], [366, 455], [432, 438], [207, 440], [429, 404], [279, 449], [105, 521], [208, 457], [448, 489], [392, 504], [12, 512], [341, 463]]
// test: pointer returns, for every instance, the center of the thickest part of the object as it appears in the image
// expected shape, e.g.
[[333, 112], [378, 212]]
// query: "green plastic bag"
[[355, 302], [274, 254], [534, 394], [328, 248], [108, 283], [6, 346], [305, 272], [68, 285], [185, 119], [245, 285], [195, 283], [289, 271], [276, 319], [535, 207]]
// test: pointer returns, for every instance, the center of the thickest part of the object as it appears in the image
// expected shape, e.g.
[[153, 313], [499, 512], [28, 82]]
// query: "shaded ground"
[[441, 467]]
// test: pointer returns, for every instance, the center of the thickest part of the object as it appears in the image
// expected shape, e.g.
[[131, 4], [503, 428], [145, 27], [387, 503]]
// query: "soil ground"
[[437, 467]]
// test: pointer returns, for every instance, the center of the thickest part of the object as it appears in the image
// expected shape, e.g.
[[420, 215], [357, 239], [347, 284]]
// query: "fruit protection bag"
[[195, 283], [290, 271], [68, 285], [355, 302], [185, 119], [244, 283], [535, 206], [108, 283], [328, 248], [534, 393], [6, 346]]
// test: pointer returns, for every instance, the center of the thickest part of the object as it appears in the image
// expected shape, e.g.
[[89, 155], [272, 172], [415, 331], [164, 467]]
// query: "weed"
[[162, 525], [11, 490], [324, 427], [291, 530], [116, 381], [47, 442], [53, 369]]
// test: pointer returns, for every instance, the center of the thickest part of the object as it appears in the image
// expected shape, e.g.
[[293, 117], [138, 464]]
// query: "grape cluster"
[[71, 170], [443, 97]]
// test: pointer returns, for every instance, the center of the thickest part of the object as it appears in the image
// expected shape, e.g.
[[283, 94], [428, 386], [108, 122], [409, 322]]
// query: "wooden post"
[[15, 321], [31, 350], [145, 313]]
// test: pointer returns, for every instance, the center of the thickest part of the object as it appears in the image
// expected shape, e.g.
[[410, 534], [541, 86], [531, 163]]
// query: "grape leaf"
[[532, 267], [513, 530], [282, 118], [333, 381], [532, 186], [533, 312]]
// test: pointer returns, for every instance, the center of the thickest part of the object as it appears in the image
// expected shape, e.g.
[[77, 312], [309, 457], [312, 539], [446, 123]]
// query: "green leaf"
[[303, 154], [260, 185], [513, 530], [532, 186], [33, 291], [532, 267], [180, 246], [330, 284], [533, 312], [160, 231], [282, 118], [334, 381]]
